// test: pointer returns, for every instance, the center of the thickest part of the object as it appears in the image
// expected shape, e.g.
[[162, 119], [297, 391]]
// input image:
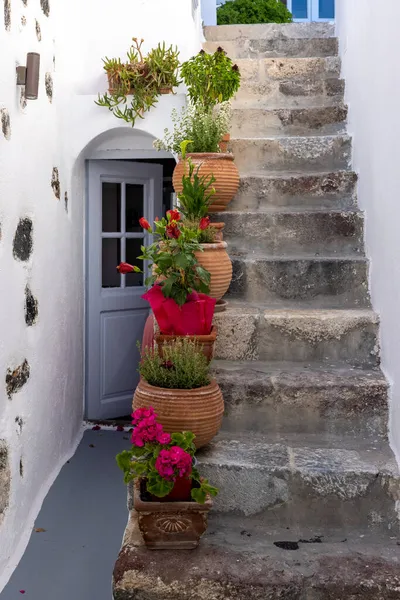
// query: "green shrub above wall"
[[253, 11]]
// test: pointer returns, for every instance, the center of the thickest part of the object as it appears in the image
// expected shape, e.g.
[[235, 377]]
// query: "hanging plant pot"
[[206, 342], [223, 168], [170, 525], [198, 410], [215, 259]]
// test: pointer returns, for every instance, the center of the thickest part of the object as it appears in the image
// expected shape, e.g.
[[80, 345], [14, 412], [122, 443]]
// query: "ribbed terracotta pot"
[[215, 259], [206, 342], [199, 410], [223, 168], [219, 231]]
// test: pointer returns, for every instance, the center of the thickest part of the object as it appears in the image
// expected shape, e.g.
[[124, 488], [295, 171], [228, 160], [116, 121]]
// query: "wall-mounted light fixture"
[[29, 75]]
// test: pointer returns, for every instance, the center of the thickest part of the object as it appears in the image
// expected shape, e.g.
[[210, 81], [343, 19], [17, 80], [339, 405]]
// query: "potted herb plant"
[[178, 384], [142, 78], [172, 501]]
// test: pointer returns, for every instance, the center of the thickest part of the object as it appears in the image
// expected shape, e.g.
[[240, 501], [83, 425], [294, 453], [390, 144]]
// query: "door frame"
[[94, 167], [312, 9]]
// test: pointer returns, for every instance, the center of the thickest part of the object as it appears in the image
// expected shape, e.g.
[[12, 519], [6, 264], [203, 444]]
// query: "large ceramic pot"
[[206, 342], [199, 410], [223, 168], [215, 259], [170, 525]]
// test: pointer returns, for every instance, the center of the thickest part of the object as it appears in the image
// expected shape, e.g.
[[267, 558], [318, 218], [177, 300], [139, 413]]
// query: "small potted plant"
[[142, 78], [172, 501], [179, 386]]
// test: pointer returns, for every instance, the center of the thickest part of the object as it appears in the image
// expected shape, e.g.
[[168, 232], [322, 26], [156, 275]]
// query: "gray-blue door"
[[119, 193]]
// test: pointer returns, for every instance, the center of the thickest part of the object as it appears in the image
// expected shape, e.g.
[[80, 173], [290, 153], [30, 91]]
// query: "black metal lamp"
[[29, 75]]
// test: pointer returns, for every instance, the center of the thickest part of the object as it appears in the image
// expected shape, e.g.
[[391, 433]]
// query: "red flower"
[[172, 231], [125, 268], [173, 215], [144, 224], [204, 223]]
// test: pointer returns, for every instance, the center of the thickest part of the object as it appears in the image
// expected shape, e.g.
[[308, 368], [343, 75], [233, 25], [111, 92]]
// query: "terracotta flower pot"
[[223, 145], [206, 342], [170, 525], [223, 168], [199, 410], [219, 235], [215, 259], [165, 90]]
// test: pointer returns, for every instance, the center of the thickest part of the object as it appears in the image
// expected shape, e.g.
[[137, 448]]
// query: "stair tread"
[[255, 257], [295, 311], [294, 174]]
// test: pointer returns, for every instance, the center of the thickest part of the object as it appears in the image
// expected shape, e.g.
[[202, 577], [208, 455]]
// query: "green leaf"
[[124, 460], [158, 486], [199, 495], [182, 261]]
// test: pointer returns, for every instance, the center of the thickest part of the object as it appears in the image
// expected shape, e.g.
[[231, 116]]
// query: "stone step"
[[311, 153], [311, 283], [277, 47], [305, 480], [238, 560], [277, 233], [347, 337], [287, 31], [287, 93], [271, 191], [258, 123], [281, 398], [282, 69]]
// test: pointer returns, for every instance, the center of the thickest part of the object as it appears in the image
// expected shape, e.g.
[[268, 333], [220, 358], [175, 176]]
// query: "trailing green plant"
[[253, 11], [204, 127], [182, 366], [210, 78], [142, 78]]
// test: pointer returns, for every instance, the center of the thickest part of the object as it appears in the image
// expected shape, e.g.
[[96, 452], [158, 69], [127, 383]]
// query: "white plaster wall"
[[60, 134], [370, 47]]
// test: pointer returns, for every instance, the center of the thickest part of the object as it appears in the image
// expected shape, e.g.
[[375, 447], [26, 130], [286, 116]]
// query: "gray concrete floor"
[[84, 515]]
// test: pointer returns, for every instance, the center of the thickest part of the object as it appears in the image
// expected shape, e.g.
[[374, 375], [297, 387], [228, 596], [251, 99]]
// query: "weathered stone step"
[[298, 190], [278, 69], [311, 283], [260, 123], [305, 480], [247, 332], [276, 233], [287, 31], [288, 93], [237, 560], [276, 47], [311, 153], [282, 398]]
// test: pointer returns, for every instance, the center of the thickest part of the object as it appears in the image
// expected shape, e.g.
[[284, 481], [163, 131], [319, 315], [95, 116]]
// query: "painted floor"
[[84, 516]]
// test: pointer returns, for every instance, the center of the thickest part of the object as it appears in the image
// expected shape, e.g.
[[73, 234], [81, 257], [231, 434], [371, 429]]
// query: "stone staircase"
[[304, 452]]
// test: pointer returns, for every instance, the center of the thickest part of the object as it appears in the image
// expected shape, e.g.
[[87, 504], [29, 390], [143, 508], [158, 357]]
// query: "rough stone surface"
[[276, 47], [237, 334], [23, 241], [270, 31], [38, 30], [16, 378], [284, 68], [49, 86], [45, 6], [66, 201], [7, 15], [55, 183], [5, 478], [5, 123], [31, 307]]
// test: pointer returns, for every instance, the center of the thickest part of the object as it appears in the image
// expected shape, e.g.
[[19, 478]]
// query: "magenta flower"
[[174, 462], [164, 439], [142, 413], [147, 430]]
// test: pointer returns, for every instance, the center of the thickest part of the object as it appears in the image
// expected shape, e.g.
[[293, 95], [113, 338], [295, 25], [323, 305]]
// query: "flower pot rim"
[[214, 246], [190, 506], [180, 392], [213, 155], [218, 224], [210, 337]]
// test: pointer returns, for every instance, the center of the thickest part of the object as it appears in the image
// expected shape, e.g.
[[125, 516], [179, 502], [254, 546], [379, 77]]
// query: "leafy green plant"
[[159, 459], [182, 366], [210, 78], [197, 193], [204, 127], [253, 11], [142, 78]]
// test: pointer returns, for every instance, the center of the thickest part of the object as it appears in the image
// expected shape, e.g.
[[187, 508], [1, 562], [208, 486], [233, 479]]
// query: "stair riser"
[[302, 94], [251, 335], [276, 48], [336, 190], [319, 284], [316, 154], [278, 234], [285, 498], [263, 123], [288, 32], [278, 69]]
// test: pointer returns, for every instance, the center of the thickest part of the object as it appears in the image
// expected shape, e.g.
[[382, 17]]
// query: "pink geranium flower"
[[174, 462]]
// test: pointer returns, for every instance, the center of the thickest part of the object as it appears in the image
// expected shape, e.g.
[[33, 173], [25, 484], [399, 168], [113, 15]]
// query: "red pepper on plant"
[[144, 224], [204, 223], [173, 231], [125, 268], [173, 215]]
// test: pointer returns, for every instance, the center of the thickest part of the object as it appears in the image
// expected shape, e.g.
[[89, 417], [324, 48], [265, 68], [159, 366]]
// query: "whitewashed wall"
[[370, 47], [41, 424]]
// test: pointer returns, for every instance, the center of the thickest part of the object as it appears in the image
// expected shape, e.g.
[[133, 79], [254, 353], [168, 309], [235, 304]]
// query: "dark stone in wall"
[[5, 123], [5, 478], [49, 86], [19, 421], [23, 20], [7, 14], [25, 2], [23, 243], [17, 378], [45, 6], [22, 98], [55, 183], [66, 201], [38, 31], [21, 467], [31, 307]]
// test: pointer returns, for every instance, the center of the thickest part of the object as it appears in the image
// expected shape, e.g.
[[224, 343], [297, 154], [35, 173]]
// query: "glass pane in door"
[[111, 206], [132, 252], [300, 9], [111, 257], [134, 207], [326, 9]]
